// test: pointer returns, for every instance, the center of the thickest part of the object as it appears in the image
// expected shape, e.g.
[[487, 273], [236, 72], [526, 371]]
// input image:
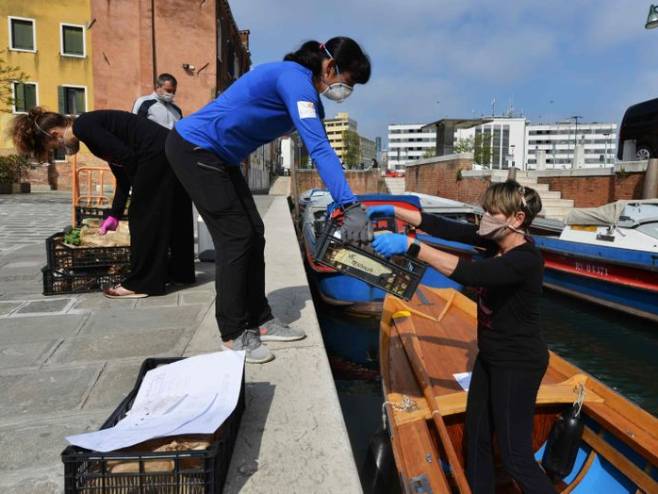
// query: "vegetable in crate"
[[72, 237]]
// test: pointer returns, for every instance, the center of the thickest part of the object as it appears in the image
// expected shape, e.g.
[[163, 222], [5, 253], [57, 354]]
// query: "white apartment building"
[[553, 145], [408, 142], [506, 140]]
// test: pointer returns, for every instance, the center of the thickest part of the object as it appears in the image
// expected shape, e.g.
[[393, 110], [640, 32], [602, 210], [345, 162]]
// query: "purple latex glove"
[[390, 244], [110, 224]]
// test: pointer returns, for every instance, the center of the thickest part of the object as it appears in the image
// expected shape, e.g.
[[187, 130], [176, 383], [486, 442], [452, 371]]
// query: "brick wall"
[[361, 181], [593, 191], [444, 178]]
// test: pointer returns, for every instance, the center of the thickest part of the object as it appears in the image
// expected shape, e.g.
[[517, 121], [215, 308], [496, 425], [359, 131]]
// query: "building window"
[[25, 96], [22, 34], [72, 100], [72, 40]]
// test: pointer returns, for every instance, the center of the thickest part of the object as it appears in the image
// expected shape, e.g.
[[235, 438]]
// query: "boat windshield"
[[649, 228]]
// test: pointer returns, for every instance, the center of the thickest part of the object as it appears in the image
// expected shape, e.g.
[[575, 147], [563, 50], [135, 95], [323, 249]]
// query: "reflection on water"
[[618, 349]]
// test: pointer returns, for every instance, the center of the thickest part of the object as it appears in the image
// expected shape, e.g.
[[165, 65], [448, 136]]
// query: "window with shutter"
[[22, 34], [72, 100], [73, 41], [25, 96]]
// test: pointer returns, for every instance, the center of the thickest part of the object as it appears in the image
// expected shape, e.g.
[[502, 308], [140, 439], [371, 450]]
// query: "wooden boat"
[[427, 340]]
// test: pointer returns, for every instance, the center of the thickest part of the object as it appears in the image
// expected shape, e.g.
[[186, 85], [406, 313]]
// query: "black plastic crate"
[[62, 257], [188, 472], [81, 281], [399, 275], [84, 212]]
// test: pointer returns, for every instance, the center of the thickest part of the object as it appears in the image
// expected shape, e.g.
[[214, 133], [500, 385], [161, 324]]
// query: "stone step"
[[549, 194], [551, 202], [530, 182]]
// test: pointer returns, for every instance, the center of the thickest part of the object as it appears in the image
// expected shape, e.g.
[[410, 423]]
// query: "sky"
[[431, 59]]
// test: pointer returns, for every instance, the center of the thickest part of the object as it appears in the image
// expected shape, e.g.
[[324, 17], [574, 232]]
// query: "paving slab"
[[45, 306], [116, 320], [31, 329], [46, 391], [26, 354], [170, 299], [113, 385], [115, 346], [289, 409], [7, 307], [197, 297]]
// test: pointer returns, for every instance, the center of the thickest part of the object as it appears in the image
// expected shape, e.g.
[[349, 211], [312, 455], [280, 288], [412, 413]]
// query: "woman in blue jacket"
[[206, 149]]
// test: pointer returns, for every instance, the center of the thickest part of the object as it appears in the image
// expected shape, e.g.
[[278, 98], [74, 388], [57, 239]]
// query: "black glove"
[[356, 225]]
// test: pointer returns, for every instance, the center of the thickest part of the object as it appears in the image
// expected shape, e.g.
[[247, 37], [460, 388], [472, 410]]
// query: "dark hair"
[[29, 131], [509, 197], [165, 77], [346, 52]]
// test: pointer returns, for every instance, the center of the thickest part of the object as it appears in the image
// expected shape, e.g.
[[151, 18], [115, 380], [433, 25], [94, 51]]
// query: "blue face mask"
[[338, 91]]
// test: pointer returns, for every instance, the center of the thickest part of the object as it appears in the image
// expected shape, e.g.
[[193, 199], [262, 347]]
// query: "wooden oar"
[[412, 348]]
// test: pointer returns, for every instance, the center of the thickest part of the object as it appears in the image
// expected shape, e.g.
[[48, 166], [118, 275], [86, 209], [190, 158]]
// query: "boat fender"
[[378, 472], [564, 440]]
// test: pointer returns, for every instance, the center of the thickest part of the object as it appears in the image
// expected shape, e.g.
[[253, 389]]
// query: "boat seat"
[[548, 394]]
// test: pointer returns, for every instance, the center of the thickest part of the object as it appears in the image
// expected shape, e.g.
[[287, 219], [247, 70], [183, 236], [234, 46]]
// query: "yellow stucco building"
[[49, 40]]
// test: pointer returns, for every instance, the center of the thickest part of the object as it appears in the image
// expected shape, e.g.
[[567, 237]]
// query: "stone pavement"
[[67, 361]]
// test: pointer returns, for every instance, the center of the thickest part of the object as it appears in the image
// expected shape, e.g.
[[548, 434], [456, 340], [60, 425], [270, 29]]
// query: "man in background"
[[159, 105]]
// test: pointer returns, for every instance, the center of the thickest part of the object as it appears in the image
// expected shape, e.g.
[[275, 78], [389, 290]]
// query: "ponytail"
[[29, 131], [346, 52]]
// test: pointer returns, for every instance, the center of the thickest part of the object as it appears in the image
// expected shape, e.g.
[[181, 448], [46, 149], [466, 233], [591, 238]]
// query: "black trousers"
[[502, 400], [161, 229], [222, 197]]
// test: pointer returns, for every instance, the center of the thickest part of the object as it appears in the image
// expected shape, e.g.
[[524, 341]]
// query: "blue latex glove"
[[390, 244], [379, 211]]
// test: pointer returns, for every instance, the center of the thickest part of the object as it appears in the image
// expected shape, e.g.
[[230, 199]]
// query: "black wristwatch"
[[414, 249]]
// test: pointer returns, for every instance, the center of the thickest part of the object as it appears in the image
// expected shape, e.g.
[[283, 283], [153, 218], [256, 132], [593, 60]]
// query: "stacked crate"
[[79, 269]]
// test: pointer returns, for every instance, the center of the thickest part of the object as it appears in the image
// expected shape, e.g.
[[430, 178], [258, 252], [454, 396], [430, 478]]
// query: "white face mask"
[[166, 97], [338, 91]]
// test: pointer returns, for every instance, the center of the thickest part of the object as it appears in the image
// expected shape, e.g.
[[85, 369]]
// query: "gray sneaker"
[[275, 330], [256, 352]]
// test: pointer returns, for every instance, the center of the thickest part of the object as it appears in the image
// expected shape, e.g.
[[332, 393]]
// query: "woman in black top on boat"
[[160, 212], [512, 356]]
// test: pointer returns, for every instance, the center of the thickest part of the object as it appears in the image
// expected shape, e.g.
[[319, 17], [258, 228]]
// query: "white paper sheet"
[[463, 379], [191, 396]]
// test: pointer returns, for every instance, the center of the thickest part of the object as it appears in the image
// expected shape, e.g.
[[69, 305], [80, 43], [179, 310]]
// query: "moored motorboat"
[[607, 255], [426, 346]]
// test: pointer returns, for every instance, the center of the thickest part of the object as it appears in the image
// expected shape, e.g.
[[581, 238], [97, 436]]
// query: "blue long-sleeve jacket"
[[265, 103]]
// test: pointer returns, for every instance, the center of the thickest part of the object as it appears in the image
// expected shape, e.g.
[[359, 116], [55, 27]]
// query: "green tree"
[[429, 153], [464, 145], [8, 75], [352, 147], [482, 149]]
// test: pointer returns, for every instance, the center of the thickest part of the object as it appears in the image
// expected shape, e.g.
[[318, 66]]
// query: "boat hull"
[[620, 279]]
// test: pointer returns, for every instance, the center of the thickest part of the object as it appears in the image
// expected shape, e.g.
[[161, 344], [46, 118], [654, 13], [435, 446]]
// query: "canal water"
[[618, 349]]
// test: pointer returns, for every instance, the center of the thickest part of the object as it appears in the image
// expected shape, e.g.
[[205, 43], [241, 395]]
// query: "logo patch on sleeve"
[[306, 109]]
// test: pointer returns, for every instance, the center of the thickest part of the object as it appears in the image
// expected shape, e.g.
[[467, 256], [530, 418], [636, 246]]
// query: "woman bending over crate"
[[160, 213], [512, 357]]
